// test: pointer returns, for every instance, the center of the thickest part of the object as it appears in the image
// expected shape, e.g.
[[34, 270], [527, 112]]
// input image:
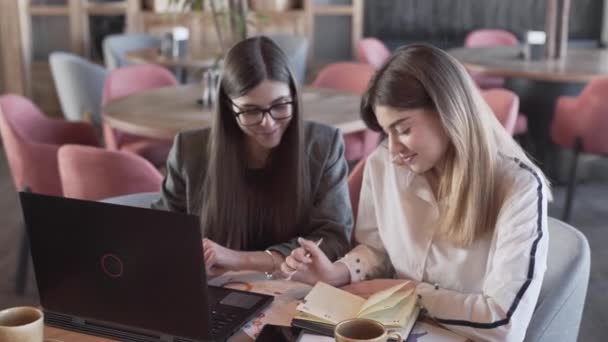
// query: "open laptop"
[[128, 273]]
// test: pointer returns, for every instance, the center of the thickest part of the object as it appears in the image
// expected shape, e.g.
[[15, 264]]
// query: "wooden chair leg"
[[22, 265], [578, 146]]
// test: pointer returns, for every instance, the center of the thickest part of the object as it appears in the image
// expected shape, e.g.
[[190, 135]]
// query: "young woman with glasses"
[[451, 203], [260, 176]]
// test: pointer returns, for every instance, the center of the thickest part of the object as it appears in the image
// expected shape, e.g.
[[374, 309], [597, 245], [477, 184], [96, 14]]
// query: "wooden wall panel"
[[13, 61], [448, 22]]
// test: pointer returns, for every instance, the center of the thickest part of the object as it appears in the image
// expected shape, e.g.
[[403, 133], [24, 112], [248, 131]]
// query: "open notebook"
[[325, 306]]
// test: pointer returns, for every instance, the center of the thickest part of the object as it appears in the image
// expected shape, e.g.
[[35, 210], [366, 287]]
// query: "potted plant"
[[229, 17]]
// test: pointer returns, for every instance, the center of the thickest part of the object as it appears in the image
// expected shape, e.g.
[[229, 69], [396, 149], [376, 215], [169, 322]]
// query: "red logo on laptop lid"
[[112, 266]]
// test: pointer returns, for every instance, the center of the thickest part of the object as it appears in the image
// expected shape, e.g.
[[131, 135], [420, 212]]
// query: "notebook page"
[[381, 296], [331, 304], [388, 303], [398, 315]]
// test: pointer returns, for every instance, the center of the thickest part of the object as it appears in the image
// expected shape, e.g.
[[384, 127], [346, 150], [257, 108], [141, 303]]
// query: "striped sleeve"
[[512, 285]]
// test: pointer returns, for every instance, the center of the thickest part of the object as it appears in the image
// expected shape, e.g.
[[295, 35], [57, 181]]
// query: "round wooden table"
[[163, 112], [192, 60], [579, 65], [538, 83]]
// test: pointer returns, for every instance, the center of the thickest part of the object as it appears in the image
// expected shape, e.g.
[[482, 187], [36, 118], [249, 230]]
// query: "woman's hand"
[[308, 264], [219, 259]]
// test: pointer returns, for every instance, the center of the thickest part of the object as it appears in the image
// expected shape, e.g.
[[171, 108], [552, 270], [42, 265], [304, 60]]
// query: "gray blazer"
[[330, 215]]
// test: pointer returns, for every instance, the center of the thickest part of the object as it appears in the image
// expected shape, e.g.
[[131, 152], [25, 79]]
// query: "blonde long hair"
[[422, 76]]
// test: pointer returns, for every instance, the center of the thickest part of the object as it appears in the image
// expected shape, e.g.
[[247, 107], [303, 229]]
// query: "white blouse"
[[486, 291]]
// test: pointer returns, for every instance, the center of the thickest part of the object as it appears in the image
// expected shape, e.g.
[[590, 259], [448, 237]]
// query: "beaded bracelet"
[[274, 265]]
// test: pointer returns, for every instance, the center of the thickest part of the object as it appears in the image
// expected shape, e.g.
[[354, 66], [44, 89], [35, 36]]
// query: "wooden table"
[[193, 60], [538, 84], [579, 65], [287, 296], [163, 112]]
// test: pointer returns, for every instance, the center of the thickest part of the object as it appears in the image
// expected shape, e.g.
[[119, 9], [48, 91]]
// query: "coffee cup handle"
[[396, 336]]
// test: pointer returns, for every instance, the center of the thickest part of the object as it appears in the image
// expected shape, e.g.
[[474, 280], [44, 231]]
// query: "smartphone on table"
[[278, 333]]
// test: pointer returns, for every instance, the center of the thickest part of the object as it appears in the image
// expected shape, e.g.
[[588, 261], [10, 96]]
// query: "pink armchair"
[[373, 52], [505, 105], [354, 78], [93, 173], [484, 38], [31, 140], [581, 123], [123, 82]]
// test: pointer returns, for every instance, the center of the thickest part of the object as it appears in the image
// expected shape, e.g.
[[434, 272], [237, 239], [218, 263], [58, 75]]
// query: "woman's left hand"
[[219, 259]]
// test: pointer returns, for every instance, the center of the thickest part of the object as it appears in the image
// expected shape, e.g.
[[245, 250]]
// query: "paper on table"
[[385, 299], [396, 316], [305, 337], [321, 302]]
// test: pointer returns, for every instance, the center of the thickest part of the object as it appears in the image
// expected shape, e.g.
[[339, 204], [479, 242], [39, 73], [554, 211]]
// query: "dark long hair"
[[235, 212]]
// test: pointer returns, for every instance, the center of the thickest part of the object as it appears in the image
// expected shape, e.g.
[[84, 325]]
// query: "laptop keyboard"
[[220, 320]]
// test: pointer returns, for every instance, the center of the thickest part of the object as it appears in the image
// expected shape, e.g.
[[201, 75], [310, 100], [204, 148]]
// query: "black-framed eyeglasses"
[[255, 116]]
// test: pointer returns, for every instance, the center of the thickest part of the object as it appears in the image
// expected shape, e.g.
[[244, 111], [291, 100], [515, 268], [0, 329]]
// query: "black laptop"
[[128, 273]]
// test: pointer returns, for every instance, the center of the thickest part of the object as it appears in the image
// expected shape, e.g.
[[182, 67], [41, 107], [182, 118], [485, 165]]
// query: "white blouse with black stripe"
[[485, 292]]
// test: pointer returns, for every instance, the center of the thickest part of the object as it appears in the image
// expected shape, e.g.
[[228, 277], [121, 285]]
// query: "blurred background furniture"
[[79, 84], [538, 85], [355, 181], [351, 77], [142, 200], [373, 52], [505, 105], [31, 141], [559, 309], [116, 47], [580, 124], [91, 173], [296, 49], [130, 80], [162, 113], [489, 38]]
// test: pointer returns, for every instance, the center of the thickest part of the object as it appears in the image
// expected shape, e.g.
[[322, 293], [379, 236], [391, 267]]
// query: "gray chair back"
[[558, 313], [116, 46], [79, 84], [296, 49], [142, 200]]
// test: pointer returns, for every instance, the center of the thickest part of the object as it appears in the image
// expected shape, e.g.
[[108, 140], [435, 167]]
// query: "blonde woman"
[[451, 202]]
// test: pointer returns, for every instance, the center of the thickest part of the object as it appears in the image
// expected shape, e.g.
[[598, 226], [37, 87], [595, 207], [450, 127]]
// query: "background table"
[[163, 112], [538, 84], [579, 65], [190, 61]]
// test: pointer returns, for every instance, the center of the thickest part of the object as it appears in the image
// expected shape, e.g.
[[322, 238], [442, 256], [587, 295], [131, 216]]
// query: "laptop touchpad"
[[240, 300]]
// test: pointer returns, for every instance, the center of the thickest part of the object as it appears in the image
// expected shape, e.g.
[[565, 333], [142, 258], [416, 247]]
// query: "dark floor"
[[590, 215]]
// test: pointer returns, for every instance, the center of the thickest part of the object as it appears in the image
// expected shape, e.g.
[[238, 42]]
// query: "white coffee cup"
[[363, 330], [21, 324]]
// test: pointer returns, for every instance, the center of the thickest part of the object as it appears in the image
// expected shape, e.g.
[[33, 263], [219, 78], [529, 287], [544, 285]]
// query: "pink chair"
[[354, 78], [355, 180], [581, 123], [93, 173], [31, 140], [521, 124], [126, 81], [373, 52], [505, 105], [487, 38]]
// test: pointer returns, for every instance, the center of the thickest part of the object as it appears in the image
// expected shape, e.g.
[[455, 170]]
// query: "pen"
[[308, 256]]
